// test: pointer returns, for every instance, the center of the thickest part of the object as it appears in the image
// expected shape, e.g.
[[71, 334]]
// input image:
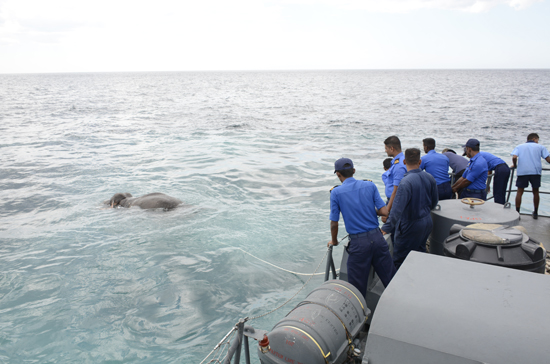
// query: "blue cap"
[[340, 163], [471, 143]]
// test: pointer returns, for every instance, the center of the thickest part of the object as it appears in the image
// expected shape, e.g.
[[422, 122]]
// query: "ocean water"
[[250, 153]]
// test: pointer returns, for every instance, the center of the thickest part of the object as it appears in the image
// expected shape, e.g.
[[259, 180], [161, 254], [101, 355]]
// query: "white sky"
[[162, 35]]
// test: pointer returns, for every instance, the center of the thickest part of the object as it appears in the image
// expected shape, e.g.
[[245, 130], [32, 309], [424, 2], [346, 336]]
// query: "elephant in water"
[[150, 201]]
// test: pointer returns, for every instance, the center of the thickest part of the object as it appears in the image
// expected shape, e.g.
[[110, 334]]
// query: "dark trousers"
[[445, 191], [482, 194], [410, 235], [500, 182], [366, 249]]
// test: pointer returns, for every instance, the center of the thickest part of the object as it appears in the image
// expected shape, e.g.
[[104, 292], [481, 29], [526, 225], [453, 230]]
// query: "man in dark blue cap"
[[410, 216], [473, 182], [360, 204]]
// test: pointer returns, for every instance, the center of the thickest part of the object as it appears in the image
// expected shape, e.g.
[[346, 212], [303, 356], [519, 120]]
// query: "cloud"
[[136, 35], [403, 6]]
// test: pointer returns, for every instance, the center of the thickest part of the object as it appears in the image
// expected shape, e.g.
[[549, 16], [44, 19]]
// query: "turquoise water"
[[250, 153]]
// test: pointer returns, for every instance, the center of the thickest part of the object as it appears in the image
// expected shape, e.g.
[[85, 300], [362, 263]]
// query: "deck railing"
[[510, 190], [510, 185]]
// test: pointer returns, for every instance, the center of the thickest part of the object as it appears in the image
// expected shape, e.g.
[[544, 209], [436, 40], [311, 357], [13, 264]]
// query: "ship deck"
[[538, 229]]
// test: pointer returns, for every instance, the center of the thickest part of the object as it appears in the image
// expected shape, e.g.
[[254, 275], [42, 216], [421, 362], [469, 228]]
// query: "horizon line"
[[284, 70]]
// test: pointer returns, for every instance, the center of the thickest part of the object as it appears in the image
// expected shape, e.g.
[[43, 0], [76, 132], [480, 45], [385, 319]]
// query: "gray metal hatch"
[[450, 212], [442, 310]]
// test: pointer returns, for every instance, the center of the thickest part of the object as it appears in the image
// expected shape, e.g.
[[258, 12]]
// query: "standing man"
[[360, 205], [438, 166], [457, 163], [502, 175], [410, 216], [397, 170], [473, 182], [526, 157]]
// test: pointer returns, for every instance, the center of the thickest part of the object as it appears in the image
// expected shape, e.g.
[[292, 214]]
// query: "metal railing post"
[[246, 351], [510, 185], [330, 265], [235, 348]]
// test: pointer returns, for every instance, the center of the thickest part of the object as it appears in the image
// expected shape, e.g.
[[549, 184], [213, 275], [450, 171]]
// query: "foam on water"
[[250, 153]]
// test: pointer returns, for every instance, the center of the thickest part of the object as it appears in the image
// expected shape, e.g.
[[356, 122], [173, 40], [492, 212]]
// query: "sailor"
[[388, 189], [438, 166], [526, 157], [410, 216], [473, 182], [502, 175], [457, 163], [397, 170], [360, 204]]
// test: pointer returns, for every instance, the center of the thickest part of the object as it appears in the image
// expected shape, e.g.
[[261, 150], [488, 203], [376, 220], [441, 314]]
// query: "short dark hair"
[[429, 143], [532, 136], [393, 141], [387, 163], [475, 148], [412, 156], [348, 172]]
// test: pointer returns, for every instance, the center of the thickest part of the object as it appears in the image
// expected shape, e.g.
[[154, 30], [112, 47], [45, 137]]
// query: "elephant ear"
[[118, 197]]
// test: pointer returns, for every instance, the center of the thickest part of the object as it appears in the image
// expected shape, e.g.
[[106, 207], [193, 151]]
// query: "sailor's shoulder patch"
[[396, 161], [334, 188], [368, 180]]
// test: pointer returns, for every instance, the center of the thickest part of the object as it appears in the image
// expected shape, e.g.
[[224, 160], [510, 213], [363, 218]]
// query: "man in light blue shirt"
[[360, 204], [527, 158], [502, 175], [438, 166], [473, 182]]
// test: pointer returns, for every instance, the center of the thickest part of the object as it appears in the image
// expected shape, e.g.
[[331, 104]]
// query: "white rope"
[[277, 308], [283, 269]]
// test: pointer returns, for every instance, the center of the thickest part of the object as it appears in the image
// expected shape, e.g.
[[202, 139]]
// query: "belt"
[[475, 191], [360, 235]]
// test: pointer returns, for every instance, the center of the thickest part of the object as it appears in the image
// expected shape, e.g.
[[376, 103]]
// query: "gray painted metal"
[[441, 310], [538, 229], [320, 329], [509, 247], [450, 212], [375, 287]]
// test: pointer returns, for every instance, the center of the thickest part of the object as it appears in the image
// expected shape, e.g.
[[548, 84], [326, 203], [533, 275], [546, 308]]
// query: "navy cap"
[[471, 143], [340, 163]]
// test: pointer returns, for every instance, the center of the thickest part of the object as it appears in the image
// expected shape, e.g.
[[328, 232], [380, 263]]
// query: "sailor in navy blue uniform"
[[438, 166], [360, 204], [474, 179], [502, 175], [410, 216], [397, 170]]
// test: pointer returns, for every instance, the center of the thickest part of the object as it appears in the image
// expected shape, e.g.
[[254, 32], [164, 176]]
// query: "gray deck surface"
[[537, 229]]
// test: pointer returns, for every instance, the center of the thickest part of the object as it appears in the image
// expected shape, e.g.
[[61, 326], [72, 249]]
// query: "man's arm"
[[390, 203], [333, 233], [383, 211], [548, 159], [401, 201], [460, 184], [515, 161]]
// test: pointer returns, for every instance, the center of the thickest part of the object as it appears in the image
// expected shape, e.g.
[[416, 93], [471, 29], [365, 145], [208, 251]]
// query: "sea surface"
[[250, 153]]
